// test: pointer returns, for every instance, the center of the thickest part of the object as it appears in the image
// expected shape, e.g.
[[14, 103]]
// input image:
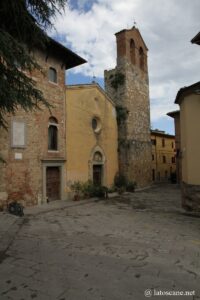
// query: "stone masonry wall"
[[134, 131], [21, 179], [190, 197]]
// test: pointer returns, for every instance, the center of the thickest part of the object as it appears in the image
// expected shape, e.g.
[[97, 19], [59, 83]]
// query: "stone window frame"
[[53, 121], [103, 163], [60, 163], [12, 134], [55, 74]]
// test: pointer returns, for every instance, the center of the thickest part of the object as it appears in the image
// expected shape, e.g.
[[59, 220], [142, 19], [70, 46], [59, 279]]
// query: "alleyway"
[[113, 250]]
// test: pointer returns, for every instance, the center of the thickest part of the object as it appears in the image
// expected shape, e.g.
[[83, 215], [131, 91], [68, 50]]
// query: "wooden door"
[[53, 183], [97, 174]]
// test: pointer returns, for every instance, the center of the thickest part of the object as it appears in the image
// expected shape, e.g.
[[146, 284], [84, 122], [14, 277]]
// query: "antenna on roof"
[[93, 78], [134, 23]]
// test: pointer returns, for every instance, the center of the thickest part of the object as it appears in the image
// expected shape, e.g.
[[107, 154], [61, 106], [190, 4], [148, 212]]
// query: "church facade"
[[91, 140]]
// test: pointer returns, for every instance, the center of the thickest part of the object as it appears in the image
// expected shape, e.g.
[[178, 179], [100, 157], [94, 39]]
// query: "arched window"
[[98, 157], [52, 75], [53, 134], [132, 51], [141, 54]]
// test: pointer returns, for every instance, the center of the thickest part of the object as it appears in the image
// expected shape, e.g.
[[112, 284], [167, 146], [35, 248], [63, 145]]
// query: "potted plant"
[[76, 188]]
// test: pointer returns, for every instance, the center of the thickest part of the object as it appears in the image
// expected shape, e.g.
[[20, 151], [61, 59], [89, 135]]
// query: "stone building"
[[91, 135], [128, 86], [187, 129], [189, 100], [34, 146], [163, 156], [176, 116], [88, 134]]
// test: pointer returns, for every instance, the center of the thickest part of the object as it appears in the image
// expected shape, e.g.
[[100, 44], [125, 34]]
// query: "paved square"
[[114, 250]]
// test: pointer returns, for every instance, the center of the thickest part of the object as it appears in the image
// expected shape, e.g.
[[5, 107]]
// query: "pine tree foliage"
[[22, 28]]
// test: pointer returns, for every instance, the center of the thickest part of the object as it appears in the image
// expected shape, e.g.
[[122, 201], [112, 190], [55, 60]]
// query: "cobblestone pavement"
[[114, 250]]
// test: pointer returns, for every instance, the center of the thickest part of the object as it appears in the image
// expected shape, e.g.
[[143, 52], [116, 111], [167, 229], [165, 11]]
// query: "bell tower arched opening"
[[132, 51]]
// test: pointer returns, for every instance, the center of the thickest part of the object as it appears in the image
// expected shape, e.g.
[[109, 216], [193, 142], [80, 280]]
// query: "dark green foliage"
[[99, 191], [130, 187], [21, 30], [91, 190], [88, 189], [76, 187], [122, 184], [120, 180], [118, 80]]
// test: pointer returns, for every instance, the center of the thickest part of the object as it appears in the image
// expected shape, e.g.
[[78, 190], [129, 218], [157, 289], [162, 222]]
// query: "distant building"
[[92, 139], [163, 156], [128, 86], [34, 146]]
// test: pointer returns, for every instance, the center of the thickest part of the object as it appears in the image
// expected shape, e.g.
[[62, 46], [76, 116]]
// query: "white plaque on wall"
[[18, 133], [18, 155]]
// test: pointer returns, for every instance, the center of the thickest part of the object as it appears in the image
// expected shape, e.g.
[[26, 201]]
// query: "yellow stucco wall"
[[190, 141], [163, 168], [83, 103]]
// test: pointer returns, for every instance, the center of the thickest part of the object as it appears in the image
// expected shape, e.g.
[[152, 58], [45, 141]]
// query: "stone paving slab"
[[9, 225]]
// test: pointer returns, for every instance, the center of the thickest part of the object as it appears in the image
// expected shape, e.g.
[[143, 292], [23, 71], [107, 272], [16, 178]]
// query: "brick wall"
[[21, 179]]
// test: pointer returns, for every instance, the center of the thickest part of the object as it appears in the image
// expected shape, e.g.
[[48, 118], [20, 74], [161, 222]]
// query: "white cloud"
[[166, 26]]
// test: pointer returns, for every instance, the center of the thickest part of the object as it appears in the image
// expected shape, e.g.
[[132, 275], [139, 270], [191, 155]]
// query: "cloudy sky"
[[167, 26]]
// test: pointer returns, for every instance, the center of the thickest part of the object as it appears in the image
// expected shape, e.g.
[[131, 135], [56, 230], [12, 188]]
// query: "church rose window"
[[96, 125]]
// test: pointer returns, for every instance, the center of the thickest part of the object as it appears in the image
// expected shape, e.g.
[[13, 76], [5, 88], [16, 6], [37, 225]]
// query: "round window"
[[96, 125]]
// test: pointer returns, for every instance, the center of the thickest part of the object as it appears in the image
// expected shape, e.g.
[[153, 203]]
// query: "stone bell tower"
[[128, 86]]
